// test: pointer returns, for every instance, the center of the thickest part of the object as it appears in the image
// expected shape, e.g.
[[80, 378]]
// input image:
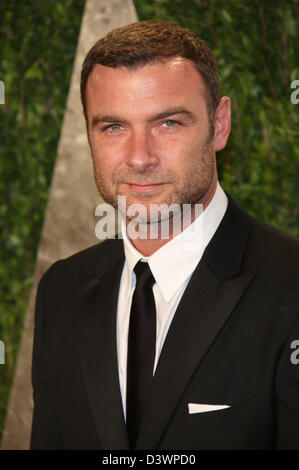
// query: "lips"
[[145, 187]]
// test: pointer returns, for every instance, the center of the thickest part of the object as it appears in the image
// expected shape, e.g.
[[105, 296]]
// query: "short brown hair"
[[145, 42]]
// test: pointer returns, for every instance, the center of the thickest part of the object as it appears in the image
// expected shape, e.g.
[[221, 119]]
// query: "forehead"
[[172, 81]]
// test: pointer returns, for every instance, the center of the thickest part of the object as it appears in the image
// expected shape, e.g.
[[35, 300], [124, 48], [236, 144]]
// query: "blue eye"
[[112, 127], [170, 123]]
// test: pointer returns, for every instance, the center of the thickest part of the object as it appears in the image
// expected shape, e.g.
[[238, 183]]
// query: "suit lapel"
[[214, 289], [97, 344]]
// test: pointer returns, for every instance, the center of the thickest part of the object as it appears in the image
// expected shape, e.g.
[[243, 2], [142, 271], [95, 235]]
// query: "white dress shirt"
[[172, 266]]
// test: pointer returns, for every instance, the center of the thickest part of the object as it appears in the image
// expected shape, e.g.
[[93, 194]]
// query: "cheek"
[[105, 160], [182, 157], [103, 168], [172, 152], [181, 147]]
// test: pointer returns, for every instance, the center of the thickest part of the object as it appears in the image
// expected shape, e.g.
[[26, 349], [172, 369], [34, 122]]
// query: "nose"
[[140, 152]]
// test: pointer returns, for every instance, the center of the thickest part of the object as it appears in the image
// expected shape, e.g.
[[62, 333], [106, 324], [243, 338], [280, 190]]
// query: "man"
[[175, 342]]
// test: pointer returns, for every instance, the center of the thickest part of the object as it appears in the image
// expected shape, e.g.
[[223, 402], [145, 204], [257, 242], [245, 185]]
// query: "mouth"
[[145, 188]]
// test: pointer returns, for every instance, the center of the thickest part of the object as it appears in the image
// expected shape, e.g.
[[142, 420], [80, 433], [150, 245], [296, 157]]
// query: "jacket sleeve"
[[45, 430], [287, 389]]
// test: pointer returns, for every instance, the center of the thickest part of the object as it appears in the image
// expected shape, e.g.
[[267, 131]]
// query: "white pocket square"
[[202, 408]]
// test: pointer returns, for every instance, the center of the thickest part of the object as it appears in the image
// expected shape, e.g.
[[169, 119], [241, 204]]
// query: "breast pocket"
[[233, 413]]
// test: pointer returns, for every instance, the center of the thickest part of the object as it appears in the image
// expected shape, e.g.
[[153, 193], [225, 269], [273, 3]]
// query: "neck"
[[148, 246]]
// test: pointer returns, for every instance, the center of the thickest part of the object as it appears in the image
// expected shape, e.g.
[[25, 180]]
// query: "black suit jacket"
[[229, 344]]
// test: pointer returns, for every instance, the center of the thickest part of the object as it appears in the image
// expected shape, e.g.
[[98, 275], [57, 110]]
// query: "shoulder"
[[94, 258], [270, 249], [273, 243], [243, 242], [261, 232]]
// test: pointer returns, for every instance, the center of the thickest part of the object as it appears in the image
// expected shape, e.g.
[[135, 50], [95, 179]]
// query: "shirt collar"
[[175, 261]]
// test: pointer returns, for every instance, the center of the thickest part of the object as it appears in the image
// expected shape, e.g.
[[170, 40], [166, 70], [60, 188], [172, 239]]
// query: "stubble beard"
[[197, 183]]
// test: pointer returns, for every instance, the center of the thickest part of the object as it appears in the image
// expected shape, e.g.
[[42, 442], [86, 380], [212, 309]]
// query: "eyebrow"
[[164, 114]]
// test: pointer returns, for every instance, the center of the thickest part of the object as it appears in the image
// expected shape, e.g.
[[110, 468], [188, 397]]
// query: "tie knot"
[[144, 276]]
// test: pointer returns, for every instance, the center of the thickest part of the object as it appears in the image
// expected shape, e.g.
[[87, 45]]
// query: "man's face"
[[149, 133]]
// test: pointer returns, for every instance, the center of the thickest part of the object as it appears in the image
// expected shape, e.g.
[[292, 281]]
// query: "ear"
[[222, 123]]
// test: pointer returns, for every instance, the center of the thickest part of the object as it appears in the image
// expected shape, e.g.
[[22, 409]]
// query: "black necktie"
[[141, 348]]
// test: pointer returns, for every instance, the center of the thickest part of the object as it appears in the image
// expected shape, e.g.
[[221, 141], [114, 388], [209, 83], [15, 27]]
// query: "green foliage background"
[[37, 47], [256, 46]]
